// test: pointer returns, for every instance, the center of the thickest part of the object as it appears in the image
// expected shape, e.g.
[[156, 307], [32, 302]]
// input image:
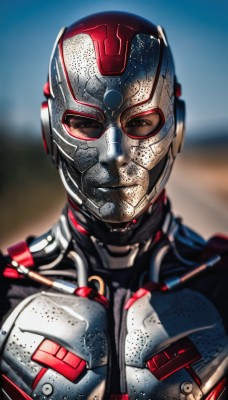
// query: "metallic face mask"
[[110, 122]]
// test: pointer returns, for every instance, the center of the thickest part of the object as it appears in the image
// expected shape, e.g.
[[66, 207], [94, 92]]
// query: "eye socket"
[[83, 127], [143, 126]]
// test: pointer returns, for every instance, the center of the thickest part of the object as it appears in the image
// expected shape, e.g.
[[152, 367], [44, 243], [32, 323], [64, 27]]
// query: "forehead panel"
[[134, 85], [112, 38]]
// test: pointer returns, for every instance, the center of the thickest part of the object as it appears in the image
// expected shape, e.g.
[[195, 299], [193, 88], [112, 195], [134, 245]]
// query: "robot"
[[118, 300]]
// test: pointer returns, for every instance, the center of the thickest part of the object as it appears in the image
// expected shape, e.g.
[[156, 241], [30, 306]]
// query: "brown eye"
[[82, 127], [142, 125]]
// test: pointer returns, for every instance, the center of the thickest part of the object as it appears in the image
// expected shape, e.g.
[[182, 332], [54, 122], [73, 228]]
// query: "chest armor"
[[54, 346]]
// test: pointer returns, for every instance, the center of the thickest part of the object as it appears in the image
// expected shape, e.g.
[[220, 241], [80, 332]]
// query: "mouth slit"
[[116, 187]]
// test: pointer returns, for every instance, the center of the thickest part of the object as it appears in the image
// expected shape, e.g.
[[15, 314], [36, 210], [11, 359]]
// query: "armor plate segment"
[[158, 322], [50, 338]]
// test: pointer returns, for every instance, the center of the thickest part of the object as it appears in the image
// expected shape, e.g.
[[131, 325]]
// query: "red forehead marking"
[[112, 34]]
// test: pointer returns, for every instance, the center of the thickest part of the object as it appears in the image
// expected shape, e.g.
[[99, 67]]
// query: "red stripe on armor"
[[20, 253], [178, 90], [12, 273], [112, 47], [151, 94], [44, 143], [112, 39], [193, 375], [76, 224], [181, 354], [118, 397], [72, 203], [69, 83], [38, 377], [61, 353], [71, 366], [46, 90], [92, 294], [12, 390], [215, 393], [148, 288]]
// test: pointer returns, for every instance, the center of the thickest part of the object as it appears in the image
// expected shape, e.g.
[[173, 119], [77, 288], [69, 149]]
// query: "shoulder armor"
[[46, 250], [176, 345], [57, 345]]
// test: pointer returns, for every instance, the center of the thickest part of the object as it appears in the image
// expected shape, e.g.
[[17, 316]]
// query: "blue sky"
[[197, 32]]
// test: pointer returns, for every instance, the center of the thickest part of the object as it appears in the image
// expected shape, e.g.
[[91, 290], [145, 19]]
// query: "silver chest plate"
[[57, 335], [175, 348]]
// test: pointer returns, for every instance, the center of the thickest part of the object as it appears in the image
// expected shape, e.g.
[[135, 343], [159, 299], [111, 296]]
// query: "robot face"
[[112, 114]]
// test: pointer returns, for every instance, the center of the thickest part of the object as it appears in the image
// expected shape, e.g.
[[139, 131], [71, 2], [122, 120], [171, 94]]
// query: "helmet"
[[113, 122]]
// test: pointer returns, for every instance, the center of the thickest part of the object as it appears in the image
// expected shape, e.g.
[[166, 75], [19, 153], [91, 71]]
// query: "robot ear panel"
[[180, 127], [46, 128], [49, 146]]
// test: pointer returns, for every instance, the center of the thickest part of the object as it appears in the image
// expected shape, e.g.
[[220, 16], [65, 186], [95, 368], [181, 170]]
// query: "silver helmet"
[[113, 122]]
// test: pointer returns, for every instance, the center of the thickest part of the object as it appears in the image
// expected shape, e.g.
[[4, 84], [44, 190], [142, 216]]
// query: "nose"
[[115, 152]]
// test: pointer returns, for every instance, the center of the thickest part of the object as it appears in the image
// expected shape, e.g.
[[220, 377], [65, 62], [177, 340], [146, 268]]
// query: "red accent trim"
[[193, 375], [157, 237], [76, 224], [112, 33], [181, 354], [118, 397], [20, 253], [71, 366], [112, 47], [44, 104], [12, 390], [71, 112], [68, 80], [163, 287], [85, 291], [152, 111], [61, 353], [11, 273], [48, 346], [153, 133], [154, 84], [44, 143], [178, 90], [38, 377], [72, 203], [148, 288], [46, 90], [214, 395]]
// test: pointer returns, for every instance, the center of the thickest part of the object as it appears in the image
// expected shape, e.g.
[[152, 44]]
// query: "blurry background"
[[31, 194]]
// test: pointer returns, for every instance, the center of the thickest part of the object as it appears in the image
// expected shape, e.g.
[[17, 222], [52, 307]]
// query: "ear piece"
[[180, 124], [178, 140], [46, 127], [47, 132]]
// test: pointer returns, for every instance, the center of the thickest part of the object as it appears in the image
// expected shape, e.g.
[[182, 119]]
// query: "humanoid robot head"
[[113, 122]]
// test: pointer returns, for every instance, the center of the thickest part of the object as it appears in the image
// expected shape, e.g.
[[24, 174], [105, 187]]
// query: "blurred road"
[[201, 210]]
